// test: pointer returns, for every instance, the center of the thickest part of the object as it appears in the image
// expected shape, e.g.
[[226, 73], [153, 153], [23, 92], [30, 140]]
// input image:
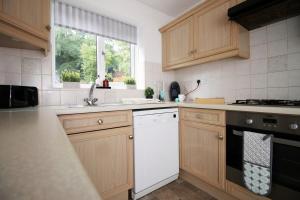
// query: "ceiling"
[[171, 7]]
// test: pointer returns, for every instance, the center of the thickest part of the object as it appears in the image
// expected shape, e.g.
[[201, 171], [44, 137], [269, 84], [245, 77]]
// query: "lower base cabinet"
[[107, 156], [202, 146]]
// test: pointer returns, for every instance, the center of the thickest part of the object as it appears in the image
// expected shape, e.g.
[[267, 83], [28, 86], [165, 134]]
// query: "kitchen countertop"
[[37, 160]]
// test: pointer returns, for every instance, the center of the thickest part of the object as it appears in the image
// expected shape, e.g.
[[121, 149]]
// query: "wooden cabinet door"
[[178, 43], [107, 156], [213, 31], [32, 16], [202, 151]]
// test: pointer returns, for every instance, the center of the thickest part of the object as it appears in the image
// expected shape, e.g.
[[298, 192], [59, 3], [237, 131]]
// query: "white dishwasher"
[[156, 149]]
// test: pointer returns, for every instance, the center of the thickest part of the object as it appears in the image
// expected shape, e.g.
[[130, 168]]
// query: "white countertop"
[[37, 160]]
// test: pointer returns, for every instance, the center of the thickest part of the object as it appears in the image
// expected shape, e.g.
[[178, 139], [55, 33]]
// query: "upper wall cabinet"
[[203, 34], [178, 43], [25, 21]]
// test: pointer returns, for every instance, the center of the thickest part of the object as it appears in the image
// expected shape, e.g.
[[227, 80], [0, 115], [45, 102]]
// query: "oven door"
[[286, 162]]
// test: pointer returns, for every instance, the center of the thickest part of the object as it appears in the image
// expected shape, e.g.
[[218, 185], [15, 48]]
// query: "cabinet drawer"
[[78, 123], [216, 117]]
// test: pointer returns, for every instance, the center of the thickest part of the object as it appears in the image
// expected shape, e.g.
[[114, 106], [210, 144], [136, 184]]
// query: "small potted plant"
[[71, 79], [149, 92], [130, 83]]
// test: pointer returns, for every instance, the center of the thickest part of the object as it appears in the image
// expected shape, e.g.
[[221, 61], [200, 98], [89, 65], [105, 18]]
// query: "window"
[[92, 55]]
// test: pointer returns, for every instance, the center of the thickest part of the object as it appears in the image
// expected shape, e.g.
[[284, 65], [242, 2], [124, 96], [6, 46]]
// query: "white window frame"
[[100, 59]]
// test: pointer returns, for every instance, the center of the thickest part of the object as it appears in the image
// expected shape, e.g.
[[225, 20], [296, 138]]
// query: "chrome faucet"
[[91, 101]]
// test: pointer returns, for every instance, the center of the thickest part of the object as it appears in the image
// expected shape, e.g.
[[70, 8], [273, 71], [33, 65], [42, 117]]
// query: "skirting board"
[[154, 187]]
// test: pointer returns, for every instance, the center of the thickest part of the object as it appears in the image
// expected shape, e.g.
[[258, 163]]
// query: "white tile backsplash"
[[259, 66], [277, 48], [293, 26], [278, 79], [277, 63], [46, 82], [273, 67], [12, 78], [31, 66], [259, 51], [50, 97], [294, 44], [259, 81], [278, 93], [32, 80], [10, 63], [294, 93], [243, 82], [259, 93], [294, 78], [277, 31], [258, 36], [293, 61]]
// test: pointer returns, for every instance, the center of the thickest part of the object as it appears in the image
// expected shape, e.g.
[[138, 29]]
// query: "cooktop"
[[268, 102]]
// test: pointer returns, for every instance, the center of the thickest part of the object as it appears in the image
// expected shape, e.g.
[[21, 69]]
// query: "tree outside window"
[[77, 51]]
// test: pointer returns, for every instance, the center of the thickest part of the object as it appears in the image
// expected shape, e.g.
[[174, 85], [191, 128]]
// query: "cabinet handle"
[[130, 137], [48, 27], [100, 121], [221, 137]]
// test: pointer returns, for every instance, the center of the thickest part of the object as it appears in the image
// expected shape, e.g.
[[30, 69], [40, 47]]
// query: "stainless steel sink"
[[97, 105]]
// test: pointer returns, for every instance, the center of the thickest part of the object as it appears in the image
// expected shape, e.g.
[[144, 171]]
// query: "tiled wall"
[[32, 68], [273, 70]]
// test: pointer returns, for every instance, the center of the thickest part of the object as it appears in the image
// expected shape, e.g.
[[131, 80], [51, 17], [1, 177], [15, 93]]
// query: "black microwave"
[[13, 96]]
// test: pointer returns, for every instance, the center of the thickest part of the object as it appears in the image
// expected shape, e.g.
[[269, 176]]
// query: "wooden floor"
[[178, 190]]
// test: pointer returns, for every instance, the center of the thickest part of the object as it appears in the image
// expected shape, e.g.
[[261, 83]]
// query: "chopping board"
[[210, 100]]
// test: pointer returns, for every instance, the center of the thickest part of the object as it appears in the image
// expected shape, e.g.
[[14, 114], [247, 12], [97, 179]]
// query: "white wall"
[[273, 70], [27, 67]]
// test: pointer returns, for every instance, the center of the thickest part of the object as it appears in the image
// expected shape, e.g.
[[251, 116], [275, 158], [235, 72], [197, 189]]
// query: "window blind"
[[76, 18]]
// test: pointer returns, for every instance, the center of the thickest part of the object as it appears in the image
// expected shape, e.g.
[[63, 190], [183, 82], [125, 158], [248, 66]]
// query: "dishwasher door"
[[156, 149]]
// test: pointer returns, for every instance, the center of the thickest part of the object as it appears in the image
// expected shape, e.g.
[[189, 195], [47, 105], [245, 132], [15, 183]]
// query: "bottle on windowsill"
[[105, 83]]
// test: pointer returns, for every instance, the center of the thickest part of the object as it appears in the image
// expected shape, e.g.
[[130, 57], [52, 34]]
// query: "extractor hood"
[[253, 14]]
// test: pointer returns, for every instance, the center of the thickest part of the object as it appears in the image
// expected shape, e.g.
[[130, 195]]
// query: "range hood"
[[253, 14]]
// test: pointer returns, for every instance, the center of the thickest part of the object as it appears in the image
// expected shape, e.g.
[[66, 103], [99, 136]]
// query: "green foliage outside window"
[[129, 81], [70, 76], [77, 51], [117, 59]]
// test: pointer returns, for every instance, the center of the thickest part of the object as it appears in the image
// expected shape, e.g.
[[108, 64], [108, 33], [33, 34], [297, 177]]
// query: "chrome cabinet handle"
[[220, 137], [130, 137], [100, 121]]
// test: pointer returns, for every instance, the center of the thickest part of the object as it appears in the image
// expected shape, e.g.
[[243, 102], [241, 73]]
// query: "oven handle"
[[275, 140]]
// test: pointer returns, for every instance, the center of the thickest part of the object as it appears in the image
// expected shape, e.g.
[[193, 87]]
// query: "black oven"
[[286, 149]]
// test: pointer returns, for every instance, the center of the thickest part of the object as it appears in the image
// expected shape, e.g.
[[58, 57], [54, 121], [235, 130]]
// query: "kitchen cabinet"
[[107, 156], [209, 36], [178, 43], [202, 146], [104, 144], [28, 21]]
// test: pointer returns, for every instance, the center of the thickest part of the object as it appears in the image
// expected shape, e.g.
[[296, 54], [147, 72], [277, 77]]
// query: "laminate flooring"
[[178, 190]]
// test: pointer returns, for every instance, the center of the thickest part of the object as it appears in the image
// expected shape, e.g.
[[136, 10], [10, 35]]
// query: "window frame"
[[100, 62]]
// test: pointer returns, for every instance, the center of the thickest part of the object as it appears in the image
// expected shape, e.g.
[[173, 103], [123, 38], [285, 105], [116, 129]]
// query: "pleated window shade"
[[76, 18]]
